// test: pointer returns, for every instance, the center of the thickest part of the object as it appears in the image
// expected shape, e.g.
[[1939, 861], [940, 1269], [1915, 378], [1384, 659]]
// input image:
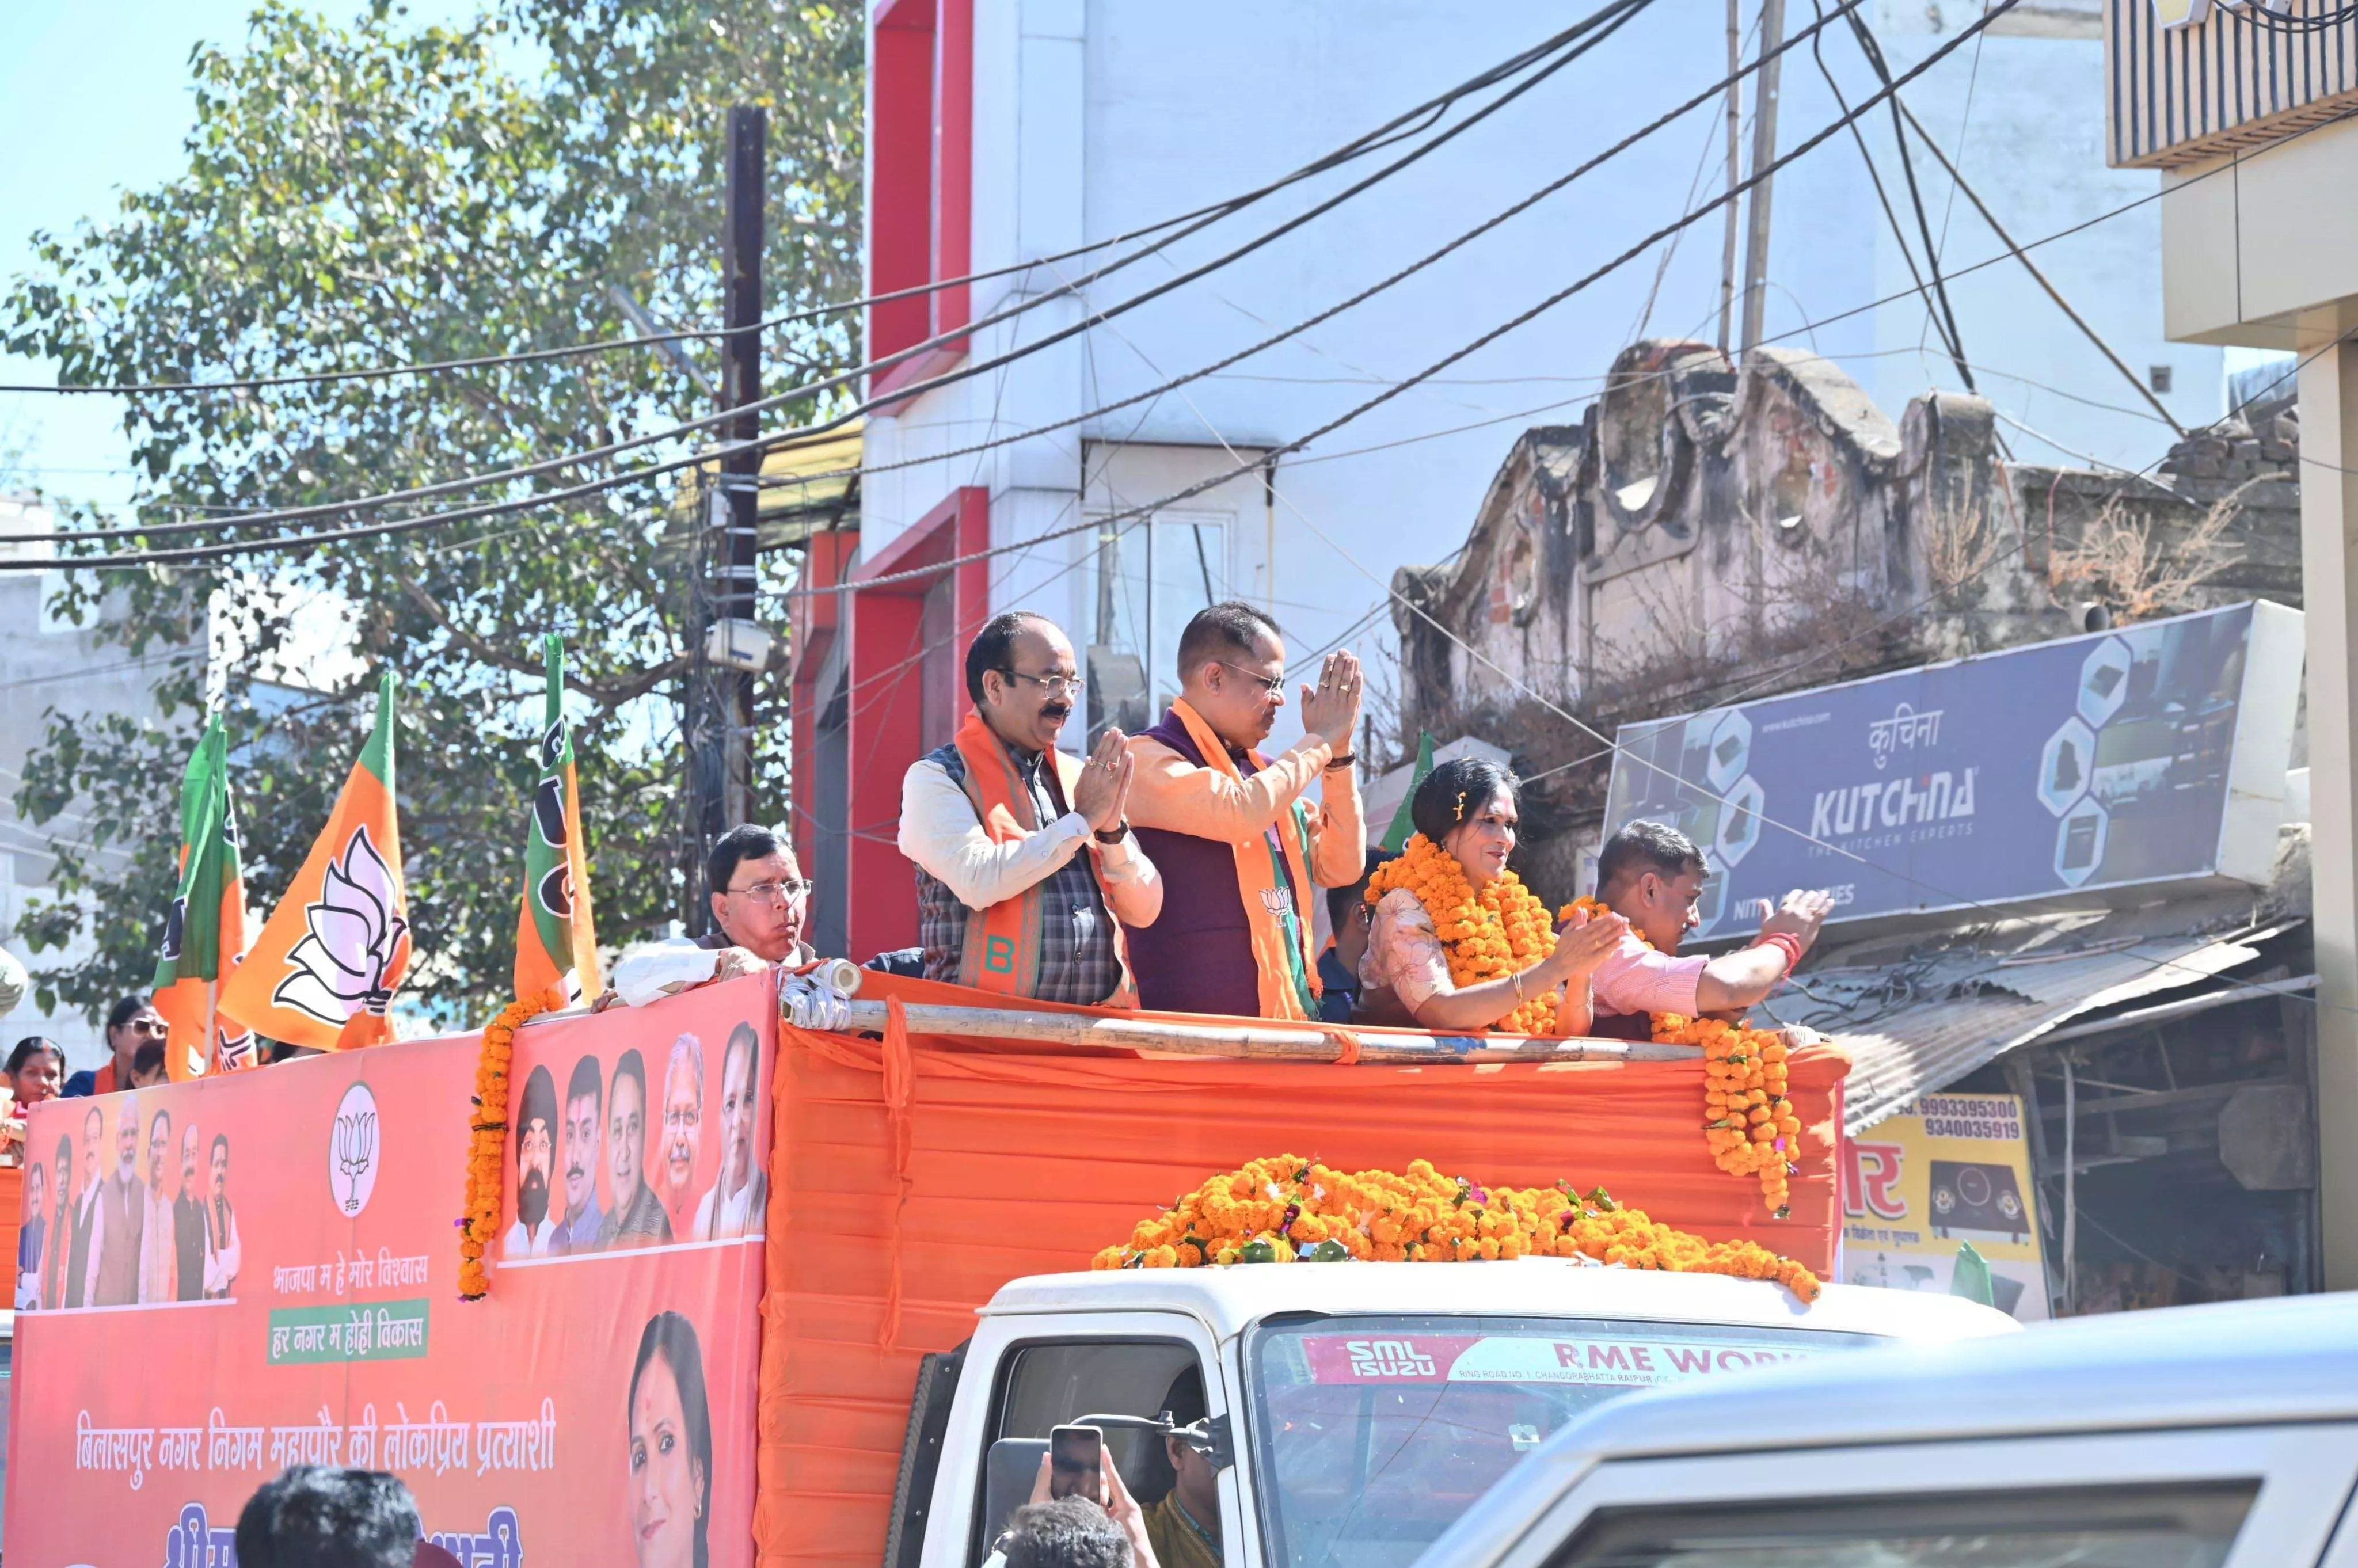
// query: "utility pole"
[[1764, 153], [1735, 173], [730, 644], [740, 386]]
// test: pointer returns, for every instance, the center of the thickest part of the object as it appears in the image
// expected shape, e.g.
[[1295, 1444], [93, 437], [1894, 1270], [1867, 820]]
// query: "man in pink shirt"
[[1652, 874]]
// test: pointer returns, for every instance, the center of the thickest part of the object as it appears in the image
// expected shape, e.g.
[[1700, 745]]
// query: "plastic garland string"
[[487, 1146], [1288, 1210]]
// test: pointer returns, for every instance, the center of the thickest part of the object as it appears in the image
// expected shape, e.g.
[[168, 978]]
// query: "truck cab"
[[1352, 1411]]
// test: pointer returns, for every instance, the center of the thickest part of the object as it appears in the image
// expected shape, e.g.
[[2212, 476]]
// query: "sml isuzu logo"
[[352, 1151], [1388, 1358]]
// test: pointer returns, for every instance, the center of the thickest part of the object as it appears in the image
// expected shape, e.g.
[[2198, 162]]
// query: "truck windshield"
[[1374, 1433]]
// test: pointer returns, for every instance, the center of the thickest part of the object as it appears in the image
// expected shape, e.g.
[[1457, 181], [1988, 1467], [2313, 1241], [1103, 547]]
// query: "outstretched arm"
[[1743, 978]]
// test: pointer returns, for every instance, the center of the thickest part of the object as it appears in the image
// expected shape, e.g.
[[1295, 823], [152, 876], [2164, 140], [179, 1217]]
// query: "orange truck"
[[930, 1315]]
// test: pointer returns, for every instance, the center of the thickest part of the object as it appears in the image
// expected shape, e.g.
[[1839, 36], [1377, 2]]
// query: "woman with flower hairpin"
[[1457, 941]]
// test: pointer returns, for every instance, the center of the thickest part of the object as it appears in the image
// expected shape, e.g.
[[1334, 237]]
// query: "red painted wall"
[[922, 203], [888, 667]]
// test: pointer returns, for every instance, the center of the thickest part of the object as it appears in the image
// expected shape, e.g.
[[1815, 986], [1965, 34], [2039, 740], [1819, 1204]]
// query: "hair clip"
[[1460, 806]]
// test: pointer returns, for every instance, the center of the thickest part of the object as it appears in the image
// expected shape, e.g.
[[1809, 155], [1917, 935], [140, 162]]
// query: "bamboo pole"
[[1255, 1042]]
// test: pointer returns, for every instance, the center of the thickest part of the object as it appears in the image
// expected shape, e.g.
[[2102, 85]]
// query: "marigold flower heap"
[[1500, 931], [487, 1146], [1287, 1209], [1748, 1119]]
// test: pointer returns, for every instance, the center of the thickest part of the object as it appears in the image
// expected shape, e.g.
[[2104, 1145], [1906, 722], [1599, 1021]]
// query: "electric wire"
[[160, 558], [1521, 318], [1943, 317], [1513, 323], [1599, 27], [811, 435], [1398, 129]]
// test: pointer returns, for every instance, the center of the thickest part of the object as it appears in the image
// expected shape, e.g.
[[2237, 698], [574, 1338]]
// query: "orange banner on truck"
[[241, 1273]]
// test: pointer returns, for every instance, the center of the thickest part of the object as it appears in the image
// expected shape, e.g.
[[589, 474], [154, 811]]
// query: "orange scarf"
[[1002, 942], [1280, 936]]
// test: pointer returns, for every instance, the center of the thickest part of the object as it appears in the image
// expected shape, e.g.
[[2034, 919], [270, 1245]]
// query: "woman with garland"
[[1457, 942]]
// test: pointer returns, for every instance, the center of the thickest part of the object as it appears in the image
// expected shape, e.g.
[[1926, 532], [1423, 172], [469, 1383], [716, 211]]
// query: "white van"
[[2194, 1438]]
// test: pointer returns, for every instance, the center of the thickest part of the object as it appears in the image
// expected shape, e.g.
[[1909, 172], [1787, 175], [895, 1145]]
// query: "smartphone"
[[1076, 1458]]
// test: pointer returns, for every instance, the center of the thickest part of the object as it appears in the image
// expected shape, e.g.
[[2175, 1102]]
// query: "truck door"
[[1023, 1377]]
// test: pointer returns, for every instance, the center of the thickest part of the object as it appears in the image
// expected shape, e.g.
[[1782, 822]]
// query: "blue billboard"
[[2149, 754]]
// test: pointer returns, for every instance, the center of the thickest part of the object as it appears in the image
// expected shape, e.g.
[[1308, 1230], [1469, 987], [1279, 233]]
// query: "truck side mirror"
[[1008, 1472], [1212, 1437]]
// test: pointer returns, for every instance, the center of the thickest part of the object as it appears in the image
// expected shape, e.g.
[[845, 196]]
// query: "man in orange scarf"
[[1239, 847], [1027, 871]]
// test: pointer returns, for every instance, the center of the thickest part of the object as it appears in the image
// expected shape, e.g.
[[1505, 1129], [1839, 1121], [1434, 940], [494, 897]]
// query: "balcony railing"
[[2225, 79]]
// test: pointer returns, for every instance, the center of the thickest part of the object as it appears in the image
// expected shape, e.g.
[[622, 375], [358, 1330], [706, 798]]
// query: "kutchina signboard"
[[2149, 754]]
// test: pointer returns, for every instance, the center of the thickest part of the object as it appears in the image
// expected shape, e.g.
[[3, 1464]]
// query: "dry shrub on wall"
[[2118, 561]]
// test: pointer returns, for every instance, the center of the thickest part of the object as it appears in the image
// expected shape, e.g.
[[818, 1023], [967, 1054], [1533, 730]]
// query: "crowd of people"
[[1173, 869]]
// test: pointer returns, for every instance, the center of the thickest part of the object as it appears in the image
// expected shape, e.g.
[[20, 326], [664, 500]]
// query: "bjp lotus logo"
[[354, 940], [352, 1151]]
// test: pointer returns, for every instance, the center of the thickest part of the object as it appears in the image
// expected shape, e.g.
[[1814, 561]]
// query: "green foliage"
[[385, 194]]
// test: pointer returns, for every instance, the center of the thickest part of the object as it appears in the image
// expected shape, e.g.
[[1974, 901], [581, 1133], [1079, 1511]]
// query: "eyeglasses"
[[1273, 684], [1054, 686], [784, 893], [155, 1026]]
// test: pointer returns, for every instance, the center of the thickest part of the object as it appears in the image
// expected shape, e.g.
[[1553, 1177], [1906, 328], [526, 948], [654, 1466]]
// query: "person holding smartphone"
[[1045, 1532]]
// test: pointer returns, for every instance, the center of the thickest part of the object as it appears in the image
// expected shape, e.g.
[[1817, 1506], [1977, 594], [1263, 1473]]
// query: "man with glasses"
[[759, 901], [1027, 871], [1239, 847]]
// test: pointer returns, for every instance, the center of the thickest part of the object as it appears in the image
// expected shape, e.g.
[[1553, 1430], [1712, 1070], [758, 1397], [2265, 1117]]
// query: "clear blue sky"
[[94, 100]]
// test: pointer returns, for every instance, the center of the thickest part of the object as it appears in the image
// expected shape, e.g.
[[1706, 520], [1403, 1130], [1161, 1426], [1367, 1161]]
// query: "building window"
[[1150, 582]]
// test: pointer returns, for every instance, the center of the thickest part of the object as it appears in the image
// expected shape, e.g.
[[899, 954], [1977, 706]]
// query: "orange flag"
[[325, 968]]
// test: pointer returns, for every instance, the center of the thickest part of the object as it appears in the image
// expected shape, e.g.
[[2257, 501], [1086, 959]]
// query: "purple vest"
[[1198, 956]]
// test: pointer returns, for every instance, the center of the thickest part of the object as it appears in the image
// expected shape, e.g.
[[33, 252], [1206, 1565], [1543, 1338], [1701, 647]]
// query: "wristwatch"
[[1342, 760], [1119, 831]]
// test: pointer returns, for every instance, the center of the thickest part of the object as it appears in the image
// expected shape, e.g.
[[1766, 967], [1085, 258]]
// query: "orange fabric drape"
[[12, 1218], [913, 1176]]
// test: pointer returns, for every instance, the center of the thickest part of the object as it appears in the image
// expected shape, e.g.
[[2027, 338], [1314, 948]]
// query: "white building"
[[46, 664], [1003, 131]]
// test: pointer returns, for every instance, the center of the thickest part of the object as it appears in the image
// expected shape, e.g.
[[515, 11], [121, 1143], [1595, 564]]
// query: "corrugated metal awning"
[[1916, 1015]]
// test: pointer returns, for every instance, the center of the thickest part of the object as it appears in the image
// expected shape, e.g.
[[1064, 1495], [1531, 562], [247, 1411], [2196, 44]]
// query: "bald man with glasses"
[[760, 902], [1026, 867]]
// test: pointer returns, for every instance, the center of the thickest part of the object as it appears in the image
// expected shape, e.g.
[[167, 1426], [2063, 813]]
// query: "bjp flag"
[[555, 931], [325, 968], [204, 931]]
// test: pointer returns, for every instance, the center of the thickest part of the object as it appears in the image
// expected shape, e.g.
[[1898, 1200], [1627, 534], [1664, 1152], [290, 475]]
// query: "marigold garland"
[[487, 1146], [1287, 1209], [1749, 1118], [1501, 931]]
